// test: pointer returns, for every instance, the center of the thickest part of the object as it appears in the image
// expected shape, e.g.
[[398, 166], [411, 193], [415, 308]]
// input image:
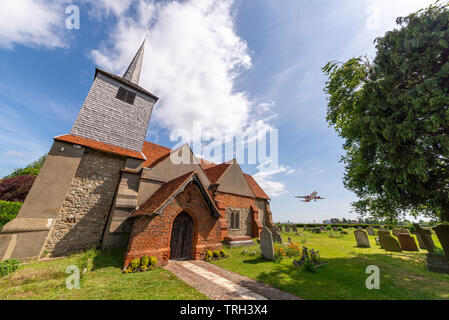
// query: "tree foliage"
[[31, 169], [393, 114]]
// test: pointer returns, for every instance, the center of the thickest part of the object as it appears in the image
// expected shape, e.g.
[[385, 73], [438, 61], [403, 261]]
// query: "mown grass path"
[[402, 275]]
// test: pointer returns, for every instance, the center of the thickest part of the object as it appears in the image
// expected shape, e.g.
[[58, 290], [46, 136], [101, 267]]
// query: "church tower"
[[117, 110], [88, 184]]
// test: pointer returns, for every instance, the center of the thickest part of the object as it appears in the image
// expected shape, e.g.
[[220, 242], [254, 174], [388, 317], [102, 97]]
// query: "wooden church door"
[[181, 238]]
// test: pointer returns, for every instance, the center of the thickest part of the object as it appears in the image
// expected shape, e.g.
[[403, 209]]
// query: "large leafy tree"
[[31, 169], [393, 114]]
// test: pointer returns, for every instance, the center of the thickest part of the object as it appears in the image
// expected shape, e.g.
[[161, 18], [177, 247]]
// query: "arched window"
[[235, 220]]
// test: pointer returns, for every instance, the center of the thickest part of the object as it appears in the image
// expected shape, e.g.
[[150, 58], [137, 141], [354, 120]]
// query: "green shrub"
[[8, 266], [216, 254], [144, 261], [8, 211], [135, 265], [153, 262]]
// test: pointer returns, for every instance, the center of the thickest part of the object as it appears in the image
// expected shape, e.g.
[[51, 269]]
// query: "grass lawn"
[[103, 280], [402, 275]]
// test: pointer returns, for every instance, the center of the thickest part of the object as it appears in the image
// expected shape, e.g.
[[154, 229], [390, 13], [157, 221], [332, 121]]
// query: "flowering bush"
[[293, 250], [279, 253], [309, 259]]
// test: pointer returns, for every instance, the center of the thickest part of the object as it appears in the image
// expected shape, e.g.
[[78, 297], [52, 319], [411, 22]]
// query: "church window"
[[126, 95], [235, 220]]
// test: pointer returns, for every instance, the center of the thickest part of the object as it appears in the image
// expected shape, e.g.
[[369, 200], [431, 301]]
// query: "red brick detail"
[[224, 200], [97, 145], [257, 225], [232, 239], [151, 235]]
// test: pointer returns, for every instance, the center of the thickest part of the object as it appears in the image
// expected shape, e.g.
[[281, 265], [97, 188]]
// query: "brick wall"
[[81, 221], [151, 235], [240, 204]]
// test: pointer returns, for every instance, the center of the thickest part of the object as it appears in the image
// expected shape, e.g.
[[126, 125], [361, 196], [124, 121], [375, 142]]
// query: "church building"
[[102, 185]]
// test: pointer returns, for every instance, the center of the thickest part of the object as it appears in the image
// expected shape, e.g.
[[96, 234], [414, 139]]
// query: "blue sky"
[[230, 64]]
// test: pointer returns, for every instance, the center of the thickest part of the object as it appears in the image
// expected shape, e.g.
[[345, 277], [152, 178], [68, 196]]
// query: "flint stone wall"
[[81, 221]]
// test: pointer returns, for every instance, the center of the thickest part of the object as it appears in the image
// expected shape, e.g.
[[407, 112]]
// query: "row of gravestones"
[[387, 242], [406, 241]]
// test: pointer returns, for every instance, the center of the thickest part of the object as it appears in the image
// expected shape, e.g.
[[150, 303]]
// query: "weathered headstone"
[[277, 235], [442, 232], [280, 227], [407, 242], [381, 233], [370, 231], [334, 228], [389, 243], [323, 228], [396, 231], [362, 239], [287, 228], [294, 228], [424, 238], [266, 244]]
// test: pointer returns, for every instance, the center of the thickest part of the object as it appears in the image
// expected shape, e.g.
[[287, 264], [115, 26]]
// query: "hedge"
[[345, 226], [8, 211]]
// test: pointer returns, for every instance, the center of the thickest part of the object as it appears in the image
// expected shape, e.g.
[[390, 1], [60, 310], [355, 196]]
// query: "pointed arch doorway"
[[182, 237]]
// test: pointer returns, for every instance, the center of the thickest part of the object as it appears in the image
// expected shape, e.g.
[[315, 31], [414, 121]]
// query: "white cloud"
[[265, 178], [192, 61], [103, 8], [32, 23], [16, 154], [382, 14]]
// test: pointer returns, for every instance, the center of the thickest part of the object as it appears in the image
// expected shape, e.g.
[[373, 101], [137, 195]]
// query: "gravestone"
[[294, 228], [287, 228], [424, 238], [442, 232], [362, 239], [277, 235], [323, 228], [385, 230], [389, 243], [370, 231], [334, 228], [407, 242], [396, 231], [266, 244], [280, 228], [381, 233]]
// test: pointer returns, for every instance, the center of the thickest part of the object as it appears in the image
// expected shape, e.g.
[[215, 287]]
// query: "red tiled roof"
[[257, 190], [154, 154], [214, 173], [101, 146], [205, 164], [161, 196]]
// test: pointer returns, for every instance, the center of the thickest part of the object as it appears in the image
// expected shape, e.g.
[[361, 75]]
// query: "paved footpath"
[[221, 284]]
